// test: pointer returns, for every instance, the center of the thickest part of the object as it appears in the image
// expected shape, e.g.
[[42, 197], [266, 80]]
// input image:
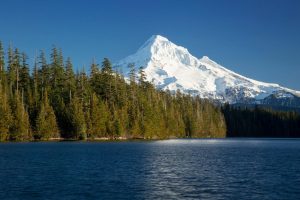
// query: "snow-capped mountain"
[[172, 67]]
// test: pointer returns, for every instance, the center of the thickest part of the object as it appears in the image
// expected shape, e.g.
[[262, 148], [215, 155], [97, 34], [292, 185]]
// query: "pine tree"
[[77, 119], [13, 69], [106, 66], [142, 77], [70, 79], [133, 111], [132, 75], [44, 72], [107, 82], [20, 129], [36, 83], [6, 116], [56, 93], [57, 69], [24, 79], [2, 63], [121, 91], [117, 127], [17, 68], [95, 76], [46, 125], [98, 118], [83, 90]]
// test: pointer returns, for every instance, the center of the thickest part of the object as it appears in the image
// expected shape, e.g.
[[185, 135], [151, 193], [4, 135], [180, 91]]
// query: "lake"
[[167, 169]]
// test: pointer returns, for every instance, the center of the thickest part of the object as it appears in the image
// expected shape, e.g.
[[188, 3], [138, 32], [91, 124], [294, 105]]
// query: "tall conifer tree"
[[46, 125], [20, 129]]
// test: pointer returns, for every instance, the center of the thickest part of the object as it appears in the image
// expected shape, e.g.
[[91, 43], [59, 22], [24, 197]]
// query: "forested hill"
[[54, 102]]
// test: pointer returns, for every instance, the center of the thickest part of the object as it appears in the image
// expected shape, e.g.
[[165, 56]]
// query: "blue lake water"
[[169, 169]]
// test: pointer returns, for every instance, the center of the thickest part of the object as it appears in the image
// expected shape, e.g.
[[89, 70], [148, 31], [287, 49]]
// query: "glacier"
[[171, 67]]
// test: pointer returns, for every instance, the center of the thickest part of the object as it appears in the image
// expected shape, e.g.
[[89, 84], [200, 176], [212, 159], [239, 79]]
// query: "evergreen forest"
[[49, 101], [260, 122]]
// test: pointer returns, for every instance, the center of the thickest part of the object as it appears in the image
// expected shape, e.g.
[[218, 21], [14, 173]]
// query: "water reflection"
[[215, 168]]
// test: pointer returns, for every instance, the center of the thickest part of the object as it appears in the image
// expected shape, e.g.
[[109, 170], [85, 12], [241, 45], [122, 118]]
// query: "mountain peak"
[[160, 48], [154, 40], [158, 38], [205, 58]]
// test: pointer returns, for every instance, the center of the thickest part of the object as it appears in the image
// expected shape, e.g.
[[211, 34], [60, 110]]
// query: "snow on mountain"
[[172, 67]]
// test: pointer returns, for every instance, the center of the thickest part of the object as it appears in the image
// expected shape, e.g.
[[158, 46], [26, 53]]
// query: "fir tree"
[[44, 72], [98, 118], [142, 77], [11, 77], [20, 129], [36, 83], [6, 116], [2, 63], [57, 69], [70, 79], [132, 75], [46, 125], [106, 66], [24, 79], [106, 82], [77, 119]]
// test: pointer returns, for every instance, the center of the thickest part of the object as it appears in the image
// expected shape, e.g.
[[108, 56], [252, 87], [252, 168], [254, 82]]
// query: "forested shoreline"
[[261, 122], [50, 101]]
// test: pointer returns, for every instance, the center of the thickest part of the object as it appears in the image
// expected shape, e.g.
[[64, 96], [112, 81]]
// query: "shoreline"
[[123, 139], [104, 139]]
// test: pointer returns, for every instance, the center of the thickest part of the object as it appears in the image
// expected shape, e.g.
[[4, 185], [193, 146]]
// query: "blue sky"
[[259, 39]]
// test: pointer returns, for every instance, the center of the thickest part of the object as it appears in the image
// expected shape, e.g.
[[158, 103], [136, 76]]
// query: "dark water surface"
[[170, 169]]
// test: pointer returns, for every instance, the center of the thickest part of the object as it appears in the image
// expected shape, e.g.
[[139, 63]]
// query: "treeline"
[[260, 122], [51, 101]]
